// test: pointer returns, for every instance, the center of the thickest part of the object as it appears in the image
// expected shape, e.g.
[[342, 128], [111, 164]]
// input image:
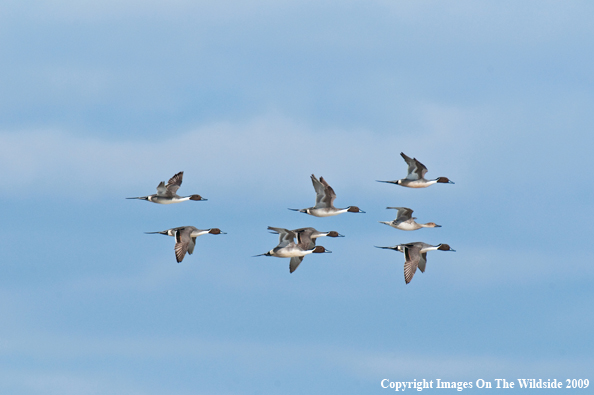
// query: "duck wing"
[[421, 169], [416, 170], [423, 262], [403, 214], [304, 239], [328, 197], [412, 256], [161, 189], [182, 243], [191, 245], [320, 192], [286, 237], [174, 183], [295, 262]]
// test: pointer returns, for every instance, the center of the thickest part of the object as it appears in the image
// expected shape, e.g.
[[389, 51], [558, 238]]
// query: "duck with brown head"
[[325, 201], [416, 175], [185, 238], [405, 221], [288, 248], [167, 194], [415, 255]]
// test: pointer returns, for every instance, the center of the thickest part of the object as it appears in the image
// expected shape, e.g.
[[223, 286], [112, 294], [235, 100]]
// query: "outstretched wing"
[[161, 189], [411, 261], [327, 200], [294, 264], [184, 242], [421, 169], [403, 214], [423, 262], [320, 192], [285, 238], [416, 170], [304, 239], [174, 183], [191, 245]]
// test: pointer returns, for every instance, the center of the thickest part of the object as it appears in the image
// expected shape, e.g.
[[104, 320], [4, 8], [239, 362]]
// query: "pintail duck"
[[405, 221], [166, 194], [325, 201], [416, 175], [287, 248], [185, 238], [306, 239], [415, 255]]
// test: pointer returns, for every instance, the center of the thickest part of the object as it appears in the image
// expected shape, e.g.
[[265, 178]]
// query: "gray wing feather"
[[295, 261], [191, 245], [403, 214], [304, 239], [320, 191], [329, 194], [161, 189], [411, 175], [174, 183], [423, 262], [420, 168], [416, 170], [285, 237]]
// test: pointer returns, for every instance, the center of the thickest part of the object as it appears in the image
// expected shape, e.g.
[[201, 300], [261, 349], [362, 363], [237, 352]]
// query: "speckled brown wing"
[[411, 262], [182, 238]]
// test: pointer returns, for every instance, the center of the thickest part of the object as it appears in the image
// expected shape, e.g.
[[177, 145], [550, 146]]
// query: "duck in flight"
[[306, 240], [185, 238], [415, 255], [416, 175], [325, 201], [287, 248], [166, 194], [405, 221]]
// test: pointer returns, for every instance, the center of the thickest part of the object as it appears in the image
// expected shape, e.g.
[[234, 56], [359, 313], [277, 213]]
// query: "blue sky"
[[99, 102]]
